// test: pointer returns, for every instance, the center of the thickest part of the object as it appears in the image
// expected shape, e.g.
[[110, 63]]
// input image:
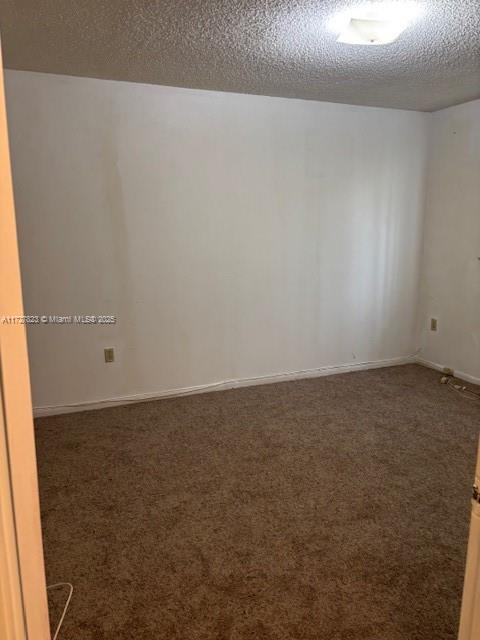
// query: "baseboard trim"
[[461, 375], [219, 386]]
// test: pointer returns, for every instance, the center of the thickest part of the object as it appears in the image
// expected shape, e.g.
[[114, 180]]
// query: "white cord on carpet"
[[462, 389], [55, 586]]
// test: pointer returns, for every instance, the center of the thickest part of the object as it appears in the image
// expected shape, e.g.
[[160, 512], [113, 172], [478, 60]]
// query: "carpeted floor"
[[334, 508]]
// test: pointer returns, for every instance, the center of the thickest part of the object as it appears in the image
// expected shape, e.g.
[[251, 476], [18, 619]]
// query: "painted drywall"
[[450, 288], [232, 236]]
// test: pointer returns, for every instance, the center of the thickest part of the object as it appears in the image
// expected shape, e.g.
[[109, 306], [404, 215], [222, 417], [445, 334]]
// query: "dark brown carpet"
[[334, 508]]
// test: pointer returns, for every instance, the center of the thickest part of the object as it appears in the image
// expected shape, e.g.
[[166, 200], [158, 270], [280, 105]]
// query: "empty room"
[[240, 320]]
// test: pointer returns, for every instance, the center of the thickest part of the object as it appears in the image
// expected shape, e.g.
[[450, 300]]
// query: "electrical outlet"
[[109, 354], [433, 324]]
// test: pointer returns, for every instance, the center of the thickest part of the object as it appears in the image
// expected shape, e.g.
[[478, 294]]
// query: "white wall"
[[233, 236], [451, 267]]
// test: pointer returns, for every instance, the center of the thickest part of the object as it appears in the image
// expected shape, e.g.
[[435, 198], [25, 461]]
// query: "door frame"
[[470, 614], [12, 620], [23, 608]]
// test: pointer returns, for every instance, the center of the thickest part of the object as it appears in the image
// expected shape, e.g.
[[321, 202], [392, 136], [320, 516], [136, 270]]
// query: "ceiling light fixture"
[[374, 23]]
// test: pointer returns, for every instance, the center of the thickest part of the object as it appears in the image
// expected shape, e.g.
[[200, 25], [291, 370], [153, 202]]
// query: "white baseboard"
[[220, 386], [461, 375]]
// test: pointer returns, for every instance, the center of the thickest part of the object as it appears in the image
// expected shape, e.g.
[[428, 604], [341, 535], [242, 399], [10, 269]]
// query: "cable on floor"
[[462, 389], [56, 586]]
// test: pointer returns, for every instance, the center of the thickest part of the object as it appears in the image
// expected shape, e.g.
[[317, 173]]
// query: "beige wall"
[[233, 236], [450, 288]]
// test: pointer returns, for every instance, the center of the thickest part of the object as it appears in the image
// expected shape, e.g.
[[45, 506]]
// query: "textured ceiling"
[[269, 47]]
